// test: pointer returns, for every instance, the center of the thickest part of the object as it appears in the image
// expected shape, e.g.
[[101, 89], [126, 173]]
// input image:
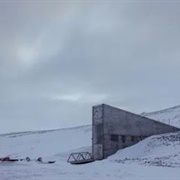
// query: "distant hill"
[[169, 116]]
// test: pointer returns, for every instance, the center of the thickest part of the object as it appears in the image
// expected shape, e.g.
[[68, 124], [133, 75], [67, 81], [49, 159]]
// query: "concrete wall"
[[114, 129]]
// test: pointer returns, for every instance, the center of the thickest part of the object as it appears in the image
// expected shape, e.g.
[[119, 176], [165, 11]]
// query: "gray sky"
[[58, 58]]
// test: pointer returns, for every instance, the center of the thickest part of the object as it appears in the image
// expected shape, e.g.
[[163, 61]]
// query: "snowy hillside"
[[169, 116], [159, 150], [45, 143], [156, 157]]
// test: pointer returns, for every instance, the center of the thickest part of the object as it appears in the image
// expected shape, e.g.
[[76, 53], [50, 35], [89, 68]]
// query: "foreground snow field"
[[156, 157]]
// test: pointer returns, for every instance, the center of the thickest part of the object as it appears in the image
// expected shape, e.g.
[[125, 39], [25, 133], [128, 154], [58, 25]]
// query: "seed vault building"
[[114, 129]]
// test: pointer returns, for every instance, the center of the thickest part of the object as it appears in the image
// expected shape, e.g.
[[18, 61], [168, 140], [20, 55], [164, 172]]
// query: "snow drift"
[[160, 150]]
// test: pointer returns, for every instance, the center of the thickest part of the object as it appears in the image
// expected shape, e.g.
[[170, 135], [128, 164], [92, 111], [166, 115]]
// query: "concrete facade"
[[114, 129]]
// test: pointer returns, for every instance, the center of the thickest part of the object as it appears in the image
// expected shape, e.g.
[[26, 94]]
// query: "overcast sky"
[[59, 58]]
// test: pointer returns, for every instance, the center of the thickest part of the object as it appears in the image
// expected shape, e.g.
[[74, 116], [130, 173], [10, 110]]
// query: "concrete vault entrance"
[[114, 129]]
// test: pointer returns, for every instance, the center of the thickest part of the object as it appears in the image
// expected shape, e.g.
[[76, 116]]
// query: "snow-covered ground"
[[156, 157], [160, 150]]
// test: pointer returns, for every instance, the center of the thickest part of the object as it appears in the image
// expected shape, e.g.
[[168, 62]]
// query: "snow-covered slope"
[[137, 162], [160, 150], [169, 116], [45, 143]]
